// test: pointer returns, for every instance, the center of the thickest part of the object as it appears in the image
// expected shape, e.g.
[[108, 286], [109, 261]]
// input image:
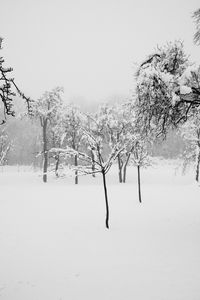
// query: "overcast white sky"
[[89, 47]]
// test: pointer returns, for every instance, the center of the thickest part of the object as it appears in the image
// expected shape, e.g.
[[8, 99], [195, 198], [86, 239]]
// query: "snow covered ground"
[[54, 244]]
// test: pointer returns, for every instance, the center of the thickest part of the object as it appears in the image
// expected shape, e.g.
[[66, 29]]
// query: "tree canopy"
[[165, 93], [196, 17]]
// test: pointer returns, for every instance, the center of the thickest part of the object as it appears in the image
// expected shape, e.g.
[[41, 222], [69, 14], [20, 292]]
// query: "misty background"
[[92, 49]]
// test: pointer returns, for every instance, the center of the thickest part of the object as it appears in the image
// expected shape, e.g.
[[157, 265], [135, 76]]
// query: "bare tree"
[[117, 123], [100, 165], [46, 109], [96, 164], [71, 122], [56, 142], [8, 90]]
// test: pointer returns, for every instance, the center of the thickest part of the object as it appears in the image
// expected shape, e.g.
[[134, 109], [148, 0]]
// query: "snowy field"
[[54, 244]]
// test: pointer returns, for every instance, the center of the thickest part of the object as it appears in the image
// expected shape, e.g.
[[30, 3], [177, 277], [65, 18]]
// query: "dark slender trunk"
[[139, 184], [124, 173], [76, 172], [45, 151], [106, 199], [197, 167], [93, 164], [119, 168], [125, 168], [57, 165]]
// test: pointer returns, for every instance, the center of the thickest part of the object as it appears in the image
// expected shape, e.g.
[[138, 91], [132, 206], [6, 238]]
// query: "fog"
[[91, 48]]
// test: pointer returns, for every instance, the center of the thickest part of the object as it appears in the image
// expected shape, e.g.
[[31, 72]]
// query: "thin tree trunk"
[[125, 168], [76, 172], [139, 184], [106, 199], [57, 164], [93, 163], [197, 167], [124, 173], [45, 165], [119, 168]]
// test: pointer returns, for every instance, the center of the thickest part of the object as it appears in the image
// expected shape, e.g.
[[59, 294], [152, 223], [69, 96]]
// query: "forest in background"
[[25, 136]]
